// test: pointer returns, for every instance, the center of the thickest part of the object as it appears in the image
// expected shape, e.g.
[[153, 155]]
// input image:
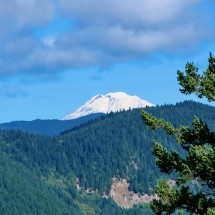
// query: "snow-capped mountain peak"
[[111, 102]]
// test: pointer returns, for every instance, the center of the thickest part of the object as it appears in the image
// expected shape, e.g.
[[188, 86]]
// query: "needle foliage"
[[194, 192]]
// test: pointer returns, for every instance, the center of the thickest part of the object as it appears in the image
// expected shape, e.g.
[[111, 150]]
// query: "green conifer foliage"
[[194, 191]]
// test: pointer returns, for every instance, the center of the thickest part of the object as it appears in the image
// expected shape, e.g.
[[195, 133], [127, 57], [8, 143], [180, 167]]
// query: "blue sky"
[[57, 54]]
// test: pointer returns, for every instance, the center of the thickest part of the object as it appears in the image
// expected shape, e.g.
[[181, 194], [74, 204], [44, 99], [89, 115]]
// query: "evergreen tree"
[[195, 187]]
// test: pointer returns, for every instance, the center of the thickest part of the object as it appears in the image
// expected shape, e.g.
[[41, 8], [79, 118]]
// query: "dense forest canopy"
[[95, 153]]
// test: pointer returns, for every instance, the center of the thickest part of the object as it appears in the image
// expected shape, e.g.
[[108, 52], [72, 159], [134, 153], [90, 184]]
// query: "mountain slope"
[[115, 145], [23, 192], [111, 102], [29, 183], [120, 145]]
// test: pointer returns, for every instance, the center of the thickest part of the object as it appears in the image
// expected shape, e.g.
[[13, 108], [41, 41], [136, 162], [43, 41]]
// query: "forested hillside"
[[120, 145], [116, 145], [23, 192], [26, 191]]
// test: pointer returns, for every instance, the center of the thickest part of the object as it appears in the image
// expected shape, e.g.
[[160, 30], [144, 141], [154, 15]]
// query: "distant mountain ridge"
[[48, 127], [111, 102], [94, 108]]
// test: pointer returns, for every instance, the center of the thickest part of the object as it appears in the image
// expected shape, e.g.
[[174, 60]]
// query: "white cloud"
[[19, 13], [49, 41], [12, 91], [126, 12], [106, 32]]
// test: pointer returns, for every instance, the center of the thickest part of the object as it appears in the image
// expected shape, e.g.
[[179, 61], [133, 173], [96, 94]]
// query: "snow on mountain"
[[111, 102]]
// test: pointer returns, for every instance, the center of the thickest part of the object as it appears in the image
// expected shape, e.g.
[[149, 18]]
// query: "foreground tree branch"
[[195, 188]]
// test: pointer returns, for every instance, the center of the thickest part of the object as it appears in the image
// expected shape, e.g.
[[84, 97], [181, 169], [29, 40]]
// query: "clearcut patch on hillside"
[[125, 198]]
